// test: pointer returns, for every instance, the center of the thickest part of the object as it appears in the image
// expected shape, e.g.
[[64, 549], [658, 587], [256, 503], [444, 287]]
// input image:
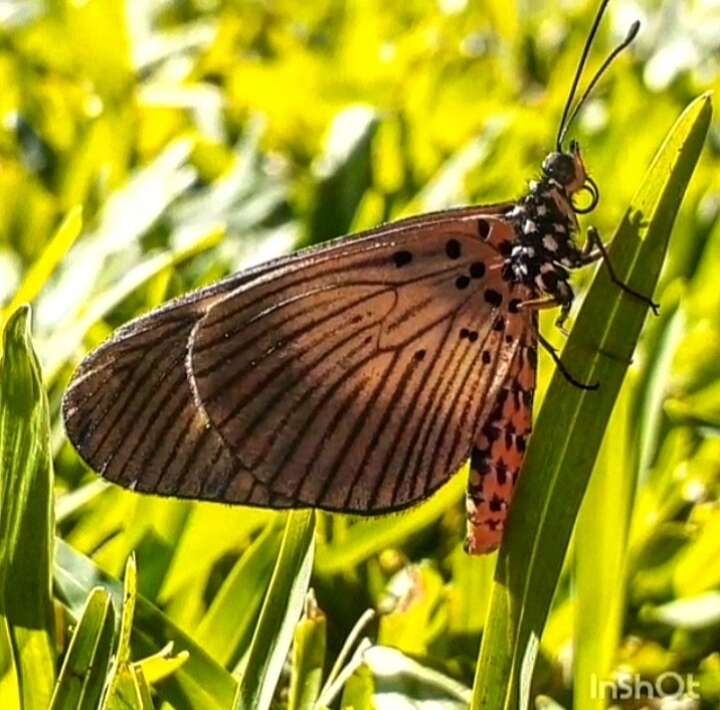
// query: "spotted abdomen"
[[498, 453]]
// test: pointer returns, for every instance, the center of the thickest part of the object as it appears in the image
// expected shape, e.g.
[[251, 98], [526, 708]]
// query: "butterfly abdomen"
[[498, 453]]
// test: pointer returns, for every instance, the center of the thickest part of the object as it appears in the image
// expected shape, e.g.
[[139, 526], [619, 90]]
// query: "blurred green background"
[[148, 148]]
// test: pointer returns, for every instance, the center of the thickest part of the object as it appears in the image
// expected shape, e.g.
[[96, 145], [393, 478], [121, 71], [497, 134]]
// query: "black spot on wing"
[[477, 270], [402, 258], [452, 249], [483, 227], [493, 297]]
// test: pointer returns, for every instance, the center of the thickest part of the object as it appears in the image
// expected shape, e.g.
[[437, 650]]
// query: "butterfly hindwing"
[[353, 380]]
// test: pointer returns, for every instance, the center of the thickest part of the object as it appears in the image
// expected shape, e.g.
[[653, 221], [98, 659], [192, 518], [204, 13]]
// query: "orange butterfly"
[[357, 376]]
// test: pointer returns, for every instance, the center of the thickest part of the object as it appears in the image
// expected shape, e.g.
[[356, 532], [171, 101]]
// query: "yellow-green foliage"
[[148, 148]]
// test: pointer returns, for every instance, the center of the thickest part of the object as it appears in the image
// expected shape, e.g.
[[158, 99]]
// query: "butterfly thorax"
[[545, 248]]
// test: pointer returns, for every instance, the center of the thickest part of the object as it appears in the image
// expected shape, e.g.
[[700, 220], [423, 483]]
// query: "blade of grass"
[[120, 687], [367, 537], [654, 395], [308, 657], [572, 422], [698, 568], [52, 255], [85, 667], [343, 172], [280, 613], [226, 629], [359, 690], [161, 664], [601, 542], [126, 215], [200, 682], [61, 346], [26, 520]]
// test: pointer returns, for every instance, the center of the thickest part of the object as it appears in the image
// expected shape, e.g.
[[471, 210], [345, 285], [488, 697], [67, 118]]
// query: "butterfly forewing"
[[354, 382]]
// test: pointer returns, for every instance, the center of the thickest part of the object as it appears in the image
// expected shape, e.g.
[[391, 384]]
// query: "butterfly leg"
[[564, 300], [538, 304], [552, 352], [498, 455], [590, 255], [552, 302]]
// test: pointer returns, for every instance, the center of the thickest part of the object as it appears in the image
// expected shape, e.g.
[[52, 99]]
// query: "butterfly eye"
[[561, 167]]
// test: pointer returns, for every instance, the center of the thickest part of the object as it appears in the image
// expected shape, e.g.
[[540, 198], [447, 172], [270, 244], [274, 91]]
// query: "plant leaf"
[[226, 629], [26, 519], [308, 657], [366, 537], [280, 613], [121, 688], [43, 268], [572, 422], [199, 682], [85, 667], [601, 543]]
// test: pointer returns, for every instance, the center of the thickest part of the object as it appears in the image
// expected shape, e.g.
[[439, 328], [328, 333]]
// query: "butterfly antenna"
[[632, 33], [578, 72]]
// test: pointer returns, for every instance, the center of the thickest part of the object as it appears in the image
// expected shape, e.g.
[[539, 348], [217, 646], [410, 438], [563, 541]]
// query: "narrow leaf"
[[82, 677], [226, 629], [43, 268], [121, 685], [26, 521], [367, 537], [308, 657], [601, 542], [63, 343], [199, 682], [280, 613], [572, 423]]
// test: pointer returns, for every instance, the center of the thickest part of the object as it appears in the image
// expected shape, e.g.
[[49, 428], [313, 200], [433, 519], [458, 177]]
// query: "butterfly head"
[[568, 170]]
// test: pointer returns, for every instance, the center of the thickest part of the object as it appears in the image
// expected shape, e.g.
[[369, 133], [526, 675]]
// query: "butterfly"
[[357, 376]]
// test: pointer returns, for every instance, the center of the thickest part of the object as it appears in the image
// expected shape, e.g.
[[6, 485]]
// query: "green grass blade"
[[199, 682], [344, 173], [698, 565], [572, 422], [654, 395], [55, 251], [26, 521], [120, 685], [308, 657], [83, 673], [359, 690], [280, 613], [62, 344], [227, 627], [601, 542], [161, 664]]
